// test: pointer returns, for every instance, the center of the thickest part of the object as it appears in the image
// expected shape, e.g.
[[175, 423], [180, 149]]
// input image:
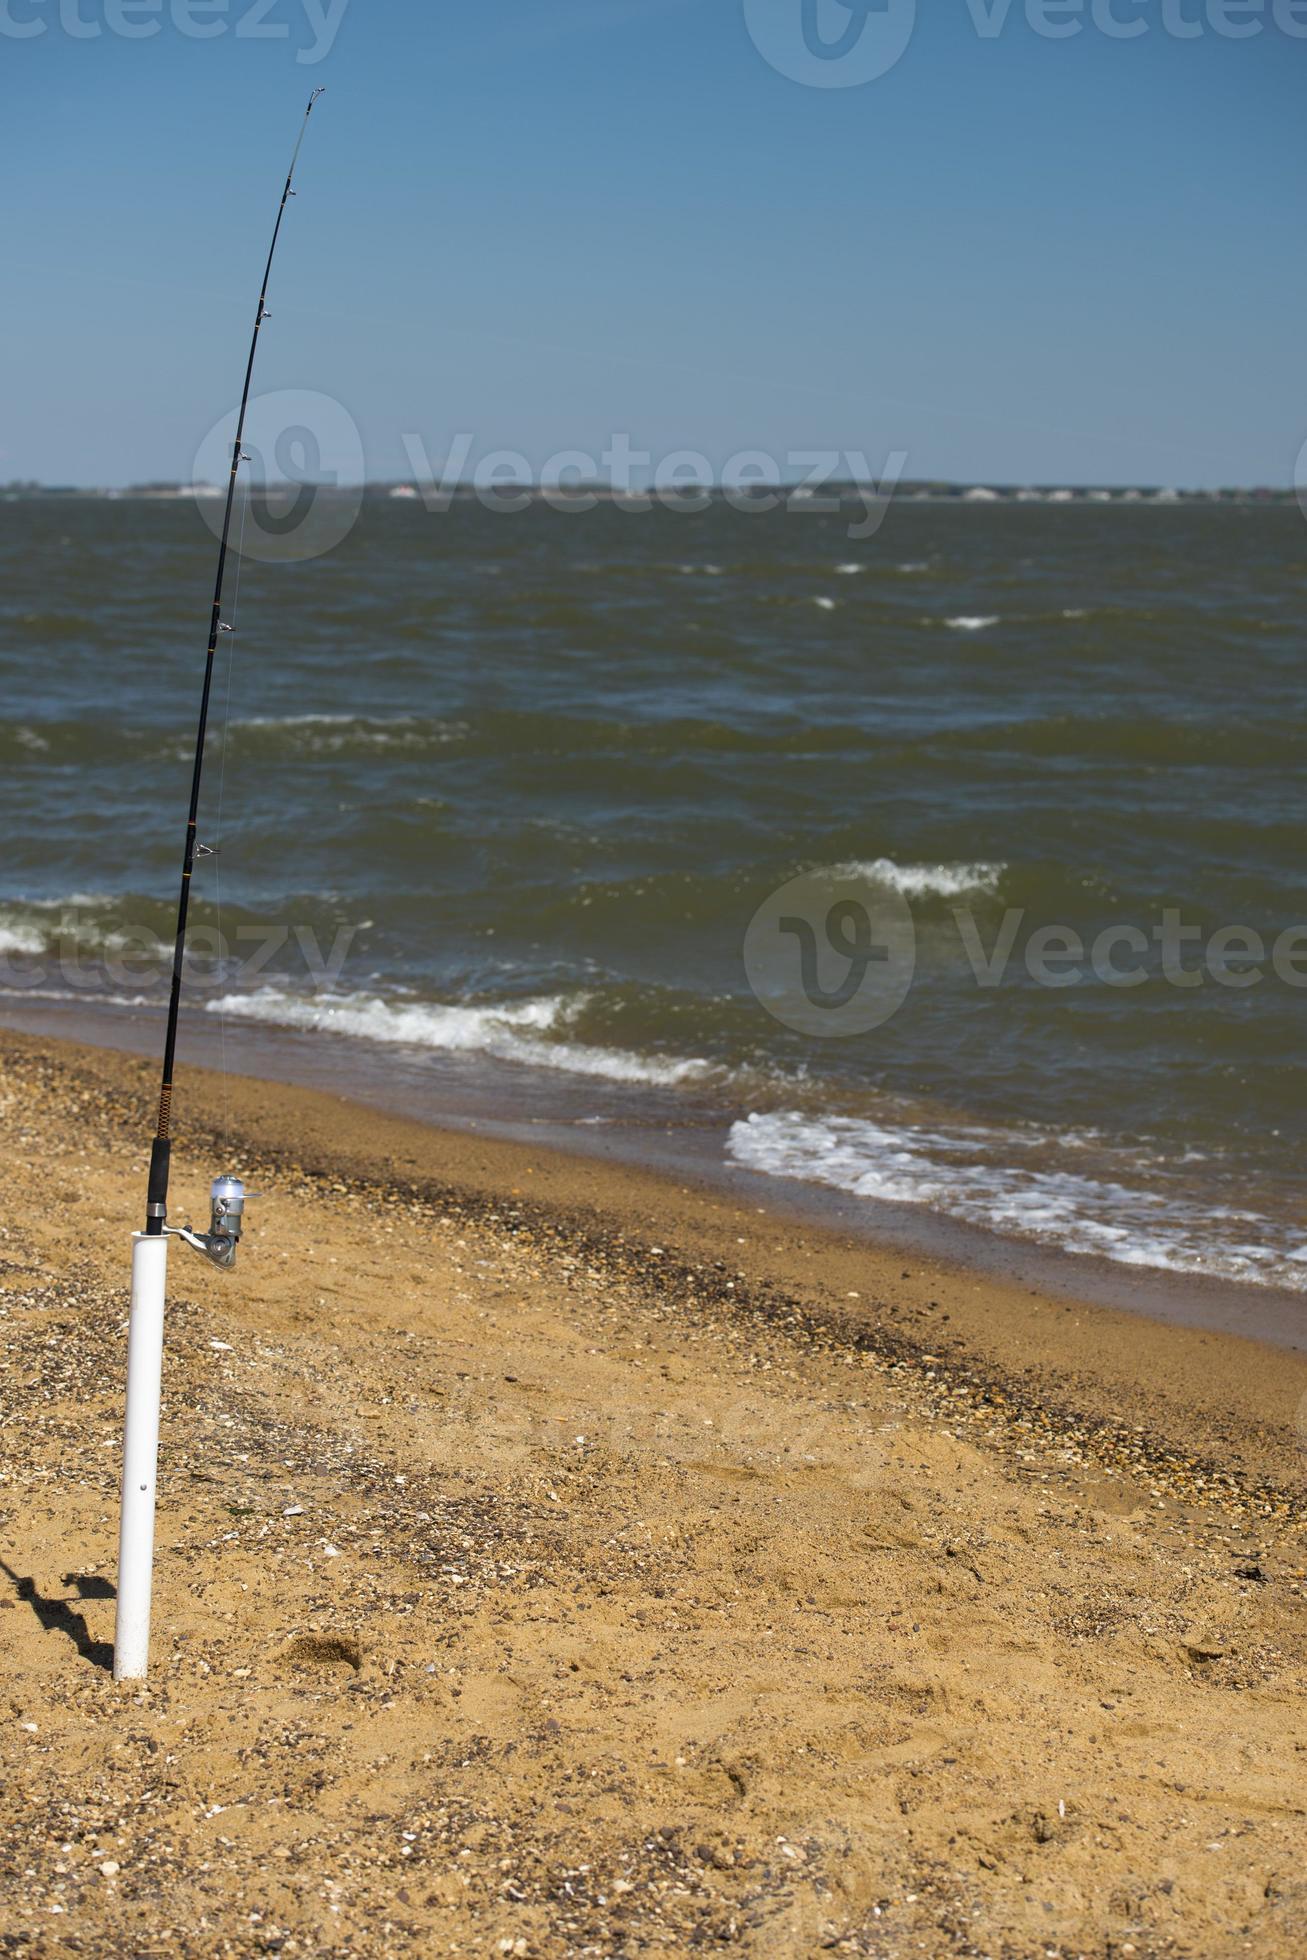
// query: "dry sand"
[[554, 1561]]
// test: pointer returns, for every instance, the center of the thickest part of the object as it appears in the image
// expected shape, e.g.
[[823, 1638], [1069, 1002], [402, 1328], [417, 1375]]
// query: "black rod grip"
[[157, 1206]]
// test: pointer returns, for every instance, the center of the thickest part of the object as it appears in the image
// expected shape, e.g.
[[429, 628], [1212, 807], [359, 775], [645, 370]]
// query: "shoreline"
[[557, 1558], [469, 1096], [1203, 1387]]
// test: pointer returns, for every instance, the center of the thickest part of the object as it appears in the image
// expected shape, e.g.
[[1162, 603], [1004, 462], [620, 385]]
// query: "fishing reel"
[[226, 1211]]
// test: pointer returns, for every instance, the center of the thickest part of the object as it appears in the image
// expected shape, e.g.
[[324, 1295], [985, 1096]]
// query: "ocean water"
[[506, 791]]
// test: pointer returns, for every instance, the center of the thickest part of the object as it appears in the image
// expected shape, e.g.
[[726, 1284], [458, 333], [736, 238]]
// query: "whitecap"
[[995, 1179], [329, 734], [925, 880], [517, 1031], [17, 938]]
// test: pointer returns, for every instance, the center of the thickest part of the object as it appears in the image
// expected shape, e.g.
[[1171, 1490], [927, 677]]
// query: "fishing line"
[[222, 788]]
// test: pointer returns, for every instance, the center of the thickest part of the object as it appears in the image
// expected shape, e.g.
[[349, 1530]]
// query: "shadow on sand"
[[59, 1616]]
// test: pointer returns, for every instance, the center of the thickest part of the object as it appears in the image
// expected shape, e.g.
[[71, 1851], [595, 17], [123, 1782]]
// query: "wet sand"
[[557, 1558], [667, 1135]]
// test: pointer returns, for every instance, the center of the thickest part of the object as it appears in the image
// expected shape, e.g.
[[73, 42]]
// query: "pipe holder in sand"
[[131, 1646]]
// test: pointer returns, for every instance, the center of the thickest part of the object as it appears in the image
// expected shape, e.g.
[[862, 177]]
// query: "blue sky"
[[542, 223]]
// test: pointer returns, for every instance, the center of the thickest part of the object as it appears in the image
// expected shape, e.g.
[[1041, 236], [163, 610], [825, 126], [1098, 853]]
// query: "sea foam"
[[1010, 1183], [530, 1031], [924, 880]]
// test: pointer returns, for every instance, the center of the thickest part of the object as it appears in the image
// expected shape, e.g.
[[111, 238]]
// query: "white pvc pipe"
[[131, 1647]]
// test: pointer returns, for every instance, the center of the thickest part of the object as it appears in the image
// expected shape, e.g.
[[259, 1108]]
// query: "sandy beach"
[[556, 1560]]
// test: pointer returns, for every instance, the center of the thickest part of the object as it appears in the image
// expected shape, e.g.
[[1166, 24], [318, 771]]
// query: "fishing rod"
[[227, 1194], [156, 1208]]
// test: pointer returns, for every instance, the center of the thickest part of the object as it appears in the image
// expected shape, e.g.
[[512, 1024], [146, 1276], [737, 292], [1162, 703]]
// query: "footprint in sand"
[[325, 1650]]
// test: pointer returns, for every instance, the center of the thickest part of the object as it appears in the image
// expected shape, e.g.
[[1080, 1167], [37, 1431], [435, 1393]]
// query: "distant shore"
[[838, 492]]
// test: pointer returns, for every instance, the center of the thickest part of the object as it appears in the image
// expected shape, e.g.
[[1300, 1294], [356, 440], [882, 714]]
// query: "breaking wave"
[[529, 1031], [1011, 1182], [926, 880]]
